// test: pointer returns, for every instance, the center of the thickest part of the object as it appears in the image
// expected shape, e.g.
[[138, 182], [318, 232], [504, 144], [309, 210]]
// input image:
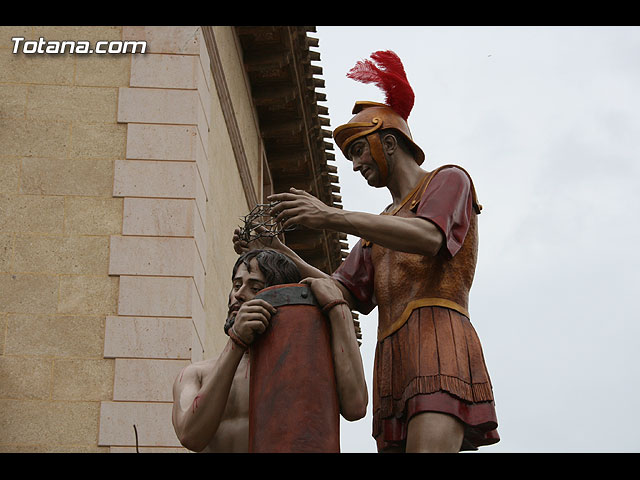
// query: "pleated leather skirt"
[[434, 362]]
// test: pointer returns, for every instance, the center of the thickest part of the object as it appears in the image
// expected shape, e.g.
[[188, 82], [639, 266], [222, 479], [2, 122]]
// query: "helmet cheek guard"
[[345, 135]]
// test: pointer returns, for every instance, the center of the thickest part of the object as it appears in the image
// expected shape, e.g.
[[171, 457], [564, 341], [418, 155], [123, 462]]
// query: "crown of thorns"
[[259, 223]]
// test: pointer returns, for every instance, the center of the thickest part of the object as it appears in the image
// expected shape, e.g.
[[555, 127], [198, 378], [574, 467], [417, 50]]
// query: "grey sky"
[[547, 122]]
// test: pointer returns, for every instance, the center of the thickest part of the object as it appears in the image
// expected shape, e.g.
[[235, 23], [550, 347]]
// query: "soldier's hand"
[[298, 207], [324, 289]]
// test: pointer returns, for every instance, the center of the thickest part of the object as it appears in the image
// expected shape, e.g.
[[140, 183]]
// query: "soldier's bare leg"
[[432, 432]]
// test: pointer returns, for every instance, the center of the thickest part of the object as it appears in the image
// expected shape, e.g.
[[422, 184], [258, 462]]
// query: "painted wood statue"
[[415, 262]]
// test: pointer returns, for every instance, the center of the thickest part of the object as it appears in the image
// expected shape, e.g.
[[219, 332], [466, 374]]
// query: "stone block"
[[88, 295], [6, 252], [202, 161], [198, 276], [148, 337], [152, 421], [152, 256], [10, 178], [71, 103], [205, 61], [83, 255], [3, 328], [158, 105], [31, 213], [149, 380], [34, 137], [166, 39], [203, 117], [103, 70], [200, 236], [54, 448], [155, 296], [28, 293], [142, 178], [200, 194], [92, 215], [42, 422], [31, 69], [54, 336], [83, 379], [198, 314], [163, 217], [161, 142], [25, 378], [98, 140], [61, 176], [163, 71], [92, 33], [148, 450], [13, 99]]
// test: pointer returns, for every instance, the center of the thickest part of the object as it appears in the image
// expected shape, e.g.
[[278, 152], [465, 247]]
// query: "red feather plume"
[[390, 77]]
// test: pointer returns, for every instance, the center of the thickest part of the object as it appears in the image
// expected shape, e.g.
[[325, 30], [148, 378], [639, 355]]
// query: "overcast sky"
[[547, 122]]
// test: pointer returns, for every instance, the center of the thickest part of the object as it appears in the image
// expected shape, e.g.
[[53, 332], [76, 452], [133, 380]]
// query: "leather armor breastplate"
[[405, 281]]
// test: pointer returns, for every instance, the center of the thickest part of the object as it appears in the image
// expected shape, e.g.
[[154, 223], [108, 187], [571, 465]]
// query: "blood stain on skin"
[[195, 402]]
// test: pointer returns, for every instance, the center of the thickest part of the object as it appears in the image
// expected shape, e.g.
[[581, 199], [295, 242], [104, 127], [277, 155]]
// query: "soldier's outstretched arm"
[[411, 235]]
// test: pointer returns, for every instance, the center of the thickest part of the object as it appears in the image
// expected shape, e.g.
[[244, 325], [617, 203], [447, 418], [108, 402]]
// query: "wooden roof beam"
[[268, 61], [275, 96], [277, 129]]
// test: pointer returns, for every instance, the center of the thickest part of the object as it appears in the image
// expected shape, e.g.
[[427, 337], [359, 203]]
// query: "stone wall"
[[60, 143], [118, 197]]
